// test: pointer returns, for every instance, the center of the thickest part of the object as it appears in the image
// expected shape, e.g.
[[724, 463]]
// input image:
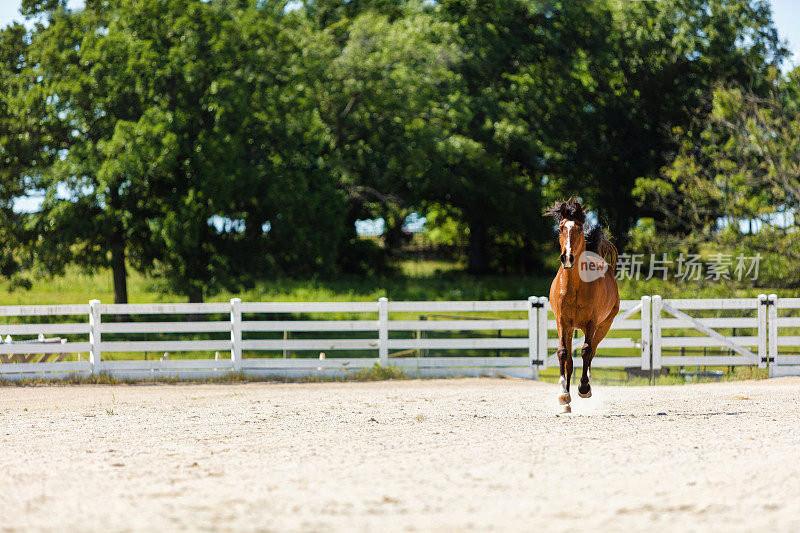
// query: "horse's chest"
[[578, 310]]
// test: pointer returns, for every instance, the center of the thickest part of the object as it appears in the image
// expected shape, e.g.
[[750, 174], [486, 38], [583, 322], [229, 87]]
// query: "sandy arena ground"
[[461, 454]]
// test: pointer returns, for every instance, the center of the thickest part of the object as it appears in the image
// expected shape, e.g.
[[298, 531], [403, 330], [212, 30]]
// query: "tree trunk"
[[118, 269], [195, 294], [478, 255], [393, 236]]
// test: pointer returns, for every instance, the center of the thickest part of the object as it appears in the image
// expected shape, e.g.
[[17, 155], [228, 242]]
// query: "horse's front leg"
[[587, 354], [565, 366]]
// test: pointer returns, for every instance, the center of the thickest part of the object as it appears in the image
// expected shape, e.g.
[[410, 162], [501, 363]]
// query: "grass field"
[[417, 280]]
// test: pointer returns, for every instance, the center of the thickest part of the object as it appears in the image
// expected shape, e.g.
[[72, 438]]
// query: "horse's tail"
[[599, 242]]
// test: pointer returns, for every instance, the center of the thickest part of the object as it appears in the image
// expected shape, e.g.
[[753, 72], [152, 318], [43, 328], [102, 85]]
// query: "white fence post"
[[772, 345], [95, 353], [383, 331], [236, 334], [656, 340], [541, 345], [533, 334], [646, 334], [763, 333]]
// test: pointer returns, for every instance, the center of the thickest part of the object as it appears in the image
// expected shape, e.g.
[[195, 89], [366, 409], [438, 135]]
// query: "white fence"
[[784, 332], [748, 314], [292, 339]]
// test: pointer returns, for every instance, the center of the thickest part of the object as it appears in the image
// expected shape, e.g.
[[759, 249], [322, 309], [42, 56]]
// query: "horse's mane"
[[599, 243], [597, 240], [570, 210]]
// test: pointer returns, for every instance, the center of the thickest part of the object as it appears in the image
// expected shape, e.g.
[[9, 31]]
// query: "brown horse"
[[585, 298]]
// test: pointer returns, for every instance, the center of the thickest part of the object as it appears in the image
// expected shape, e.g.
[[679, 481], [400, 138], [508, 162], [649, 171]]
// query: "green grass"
[[418, 280], [428, 280], [77, 287]]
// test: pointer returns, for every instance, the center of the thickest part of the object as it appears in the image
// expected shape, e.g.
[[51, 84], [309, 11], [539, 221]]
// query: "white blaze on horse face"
[[568, 225]]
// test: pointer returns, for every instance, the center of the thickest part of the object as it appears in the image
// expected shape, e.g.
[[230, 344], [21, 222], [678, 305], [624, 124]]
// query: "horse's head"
[[570, 217]]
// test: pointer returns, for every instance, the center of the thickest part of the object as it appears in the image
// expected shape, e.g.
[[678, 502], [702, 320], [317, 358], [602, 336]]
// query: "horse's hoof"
[[587, 394], [564, 399], [566, 409]]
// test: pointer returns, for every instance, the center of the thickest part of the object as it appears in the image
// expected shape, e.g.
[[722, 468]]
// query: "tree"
[[81, 97], [212, 143], [384, 96], [488, 179], [654, 73], [164, 138], [736, 182], [15, 150]]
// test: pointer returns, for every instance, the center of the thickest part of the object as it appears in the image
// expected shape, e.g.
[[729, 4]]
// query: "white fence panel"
[[158, 365], [503, 343], [36, 346], [309, 307], [310, 344], [712, 303], [44, 329], [636, 341], [164, 309], [43, 310], [461, 362], [165, 327], [671, 314], [782, 361], [647, 333], [67, 347], [459, 325], [481, 326], [519, 330], [309, 325], [454, 307], [25, 370]]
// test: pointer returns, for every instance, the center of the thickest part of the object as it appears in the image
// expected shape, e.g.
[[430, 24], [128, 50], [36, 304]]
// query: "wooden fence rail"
[[292, 339]]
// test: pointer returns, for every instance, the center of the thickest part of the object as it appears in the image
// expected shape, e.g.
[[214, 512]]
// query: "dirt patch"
[[463, 454]]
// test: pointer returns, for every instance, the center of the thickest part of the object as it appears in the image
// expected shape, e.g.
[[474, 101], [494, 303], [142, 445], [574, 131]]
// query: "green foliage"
[[443, 228], [156, 118], [735, 182], [384, 100], [213, 144]]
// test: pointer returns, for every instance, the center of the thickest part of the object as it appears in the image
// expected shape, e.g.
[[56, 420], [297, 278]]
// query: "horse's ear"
[[556, 211], [580, 212]]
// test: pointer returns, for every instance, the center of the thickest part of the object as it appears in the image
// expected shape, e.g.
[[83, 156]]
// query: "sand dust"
[[461, 454]]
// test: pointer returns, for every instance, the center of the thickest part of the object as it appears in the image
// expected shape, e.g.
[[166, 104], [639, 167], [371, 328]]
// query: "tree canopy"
[[213, 143]]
